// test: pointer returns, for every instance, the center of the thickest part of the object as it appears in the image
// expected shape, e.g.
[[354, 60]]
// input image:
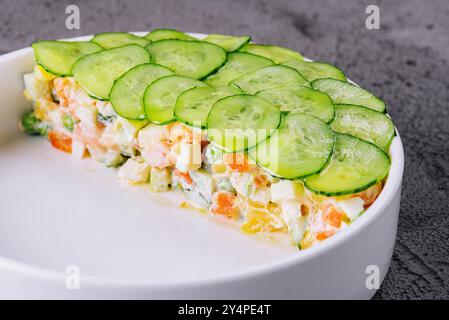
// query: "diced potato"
[[121, 133], [43, 107], [189, 157], [113, 159], [109, 158], [87, 115], [105, 109], [134, 171], [286, 190], [295, 221], [36, 87], [204, 183], [243, 183], [160, 179]]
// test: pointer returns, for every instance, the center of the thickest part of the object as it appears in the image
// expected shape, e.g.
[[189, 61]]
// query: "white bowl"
[[58, 211]]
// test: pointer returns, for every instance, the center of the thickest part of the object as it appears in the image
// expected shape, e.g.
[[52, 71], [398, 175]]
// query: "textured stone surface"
[[405, 63]]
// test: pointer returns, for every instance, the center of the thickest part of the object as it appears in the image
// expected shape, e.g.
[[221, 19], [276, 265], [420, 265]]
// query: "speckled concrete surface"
[[405, 63]]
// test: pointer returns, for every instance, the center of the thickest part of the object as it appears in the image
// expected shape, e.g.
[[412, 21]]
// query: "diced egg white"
[[261, 195], [78, 148], [286, 190], [352, 207]]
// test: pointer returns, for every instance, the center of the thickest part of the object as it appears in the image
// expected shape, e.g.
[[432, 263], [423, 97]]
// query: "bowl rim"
[[391, 187]]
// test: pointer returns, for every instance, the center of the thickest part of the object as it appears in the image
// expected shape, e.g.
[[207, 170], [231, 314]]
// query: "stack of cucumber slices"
[[297, 119]]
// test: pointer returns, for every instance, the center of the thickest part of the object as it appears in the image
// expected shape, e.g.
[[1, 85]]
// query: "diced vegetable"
[[135, 170], [67, 122], [189, 157], [286, 190], [60, 141], [32, 125], [159, 179]]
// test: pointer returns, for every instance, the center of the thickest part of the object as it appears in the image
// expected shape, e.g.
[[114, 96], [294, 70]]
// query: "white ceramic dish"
[[57, 211]]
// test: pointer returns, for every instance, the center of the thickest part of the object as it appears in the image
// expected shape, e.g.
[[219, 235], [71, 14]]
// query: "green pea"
[[67, 122], [32, 125]]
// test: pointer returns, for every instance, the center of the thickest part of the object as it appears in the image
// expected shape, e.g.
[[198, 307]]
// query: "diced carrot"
[[59, 85], [60, 141], [370, 194], [260, 181], [324, 235], [237, 161], [333, 216], [224, 204], [183, 175]]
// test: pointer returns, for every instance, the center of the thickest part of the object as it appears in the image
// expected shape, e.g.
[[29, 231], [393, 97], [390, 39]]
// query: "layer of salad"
[[249, 132]]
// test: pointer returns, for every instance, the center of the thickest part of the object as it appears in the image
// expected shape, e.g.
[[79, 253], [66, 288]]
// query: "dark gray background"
[[405, 63]]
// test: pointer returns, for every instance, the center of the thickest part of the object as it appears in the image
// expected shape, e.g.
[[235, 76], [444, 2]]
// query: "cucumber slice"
[[193, 105], [241, 121], [164, 34], [301, 146], [194, 59], [355, 166], [345, 93], [126, 95], [315, 70], [229, 43], [268, 78], [364, 123], [110, 40], [98, 71], [275, 53], [300, 100], [160, 97], [58, 57], [238, 64]]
